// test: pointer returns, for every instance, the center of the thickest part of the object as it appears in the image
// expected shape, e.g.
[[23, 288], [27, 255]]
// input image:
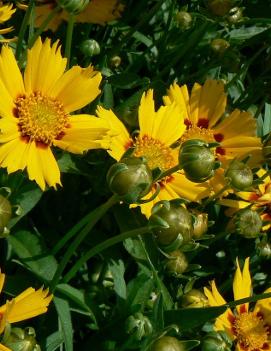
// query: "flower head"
[[250, 329], [203, 111], [36, 112], [159, 130], [30, 303]]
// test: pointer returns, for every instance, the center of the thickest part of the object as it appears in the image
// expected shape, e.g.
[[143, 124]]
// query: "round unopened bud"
[[138, 325], [197, 160], [194, 298], [240, 175], [235, 15], [247, 223], [5, 213], [184, 20], [73, 6], [167, 343], [200, 224], [90, 47], [22, 340], [130, 179], [115, 61], [177, 263], [176, 220], [216, 341], [219, 46], [219, 7]]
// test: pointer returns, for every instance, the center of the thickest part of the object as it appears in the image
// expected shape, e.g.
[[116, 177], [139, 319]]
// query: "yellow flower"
[[158, 131], [249, 329], [203, 111], [96, 12], [6, 12], [30, 303], [260, 198], [35, 110]]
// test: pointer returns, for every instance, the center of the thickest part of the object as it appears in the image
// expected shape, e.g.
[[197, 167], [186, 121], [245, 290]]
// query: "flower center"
[[41, 118], [251, 331], [157, 154], [195, 132]]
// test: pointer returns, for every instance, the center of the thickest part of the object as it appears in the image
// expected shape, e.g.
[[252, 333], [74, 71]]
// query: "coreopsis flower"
[[30, 303], [96, 12], [260, 198], [203, 112], [6, 12], [36, 112], [159, 130], [250, 329]]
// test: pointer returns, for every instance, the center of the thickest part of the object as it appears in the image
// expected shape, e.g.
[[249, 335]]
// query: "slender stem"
[[69, 34], [23, 29], [248, 299], [43, 26], [95, 216], [102, 246], [169, 172]]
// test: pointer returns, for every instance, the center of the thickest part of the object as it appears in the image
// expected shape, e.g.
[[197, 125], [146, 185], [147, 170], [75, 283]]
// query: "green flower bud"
[[219, 46], [90, 47], [115, 61], [138, 325], [235, 15], [184, 20], [200, 224], [5, 214], [175, 221], [177, 263], [22, 340], [197, 160], [240, 175], [73, 6], [194, 298], [216, 341], [130, 179], [167, 343], [264, 249], [219, 7], [247, 223]]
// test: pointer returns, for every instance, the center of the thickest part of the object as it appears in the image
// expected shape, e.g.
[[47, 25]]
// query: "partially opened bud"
[[5, 213], [177, 263], [264, 249], [184, 20], [197, 160], [240, 175], [247, 223], [73, 6], [167, 343], [115, 61], [235, 15], [177, 223], [200, 224], [219, 46], [138, 325], [219, 7], [194, 298], [130, 178], [22, 340]]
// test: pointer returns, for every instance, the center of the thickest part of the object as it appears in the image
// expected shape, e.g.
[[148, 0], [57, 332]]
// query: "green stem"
[[248, 299], [43, 26], [94, 217], [102, 246], [23, 29], [168, 172], [69, 34]]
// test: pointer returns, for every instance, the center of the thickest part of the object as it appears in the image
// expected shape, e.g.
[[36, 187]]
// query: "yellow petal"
[[77, 87], [264, 307], [28, 304], [2, 280], [45, 66], [8, 130], [233, 203], [242, 282], [179, 95], [146, 114], [4, 348], [121, 141], [16, 159], [85, 132], [42, 166], [10, 74], [41, 13]]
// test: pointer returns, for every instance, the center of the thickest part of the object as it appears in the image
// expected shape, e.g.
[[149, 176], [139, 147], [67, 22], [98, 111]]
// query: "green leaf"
[[31, 250], [245, 33], [117, 269], [139, 290], [189, 318], [64, 314], [267, 119], [53, 341]]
